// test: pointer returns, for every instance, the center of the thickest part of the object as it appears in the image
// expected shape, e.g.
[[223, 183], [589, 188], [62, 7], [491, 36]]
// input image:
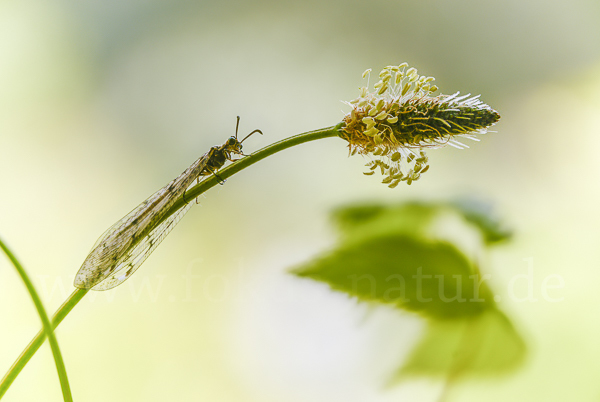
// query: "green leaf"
[[416, 217], [481, 216], [354, 215], [431, 278], [390, 255], [485, 345], [366, 220]]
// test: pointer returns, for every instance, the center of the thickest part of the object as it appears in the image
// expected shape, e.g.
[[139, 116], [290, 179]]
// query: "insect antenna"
[[255, 131], [237, 125]]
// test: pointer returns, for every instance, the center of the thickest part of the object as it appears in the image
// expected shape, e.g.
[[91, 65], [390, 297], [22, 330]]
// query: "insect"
[[120, 251]]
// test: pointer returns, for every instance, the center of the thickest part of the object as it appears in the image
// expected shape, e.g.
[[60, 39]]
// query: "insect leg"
[[221, 181], [197, 182]]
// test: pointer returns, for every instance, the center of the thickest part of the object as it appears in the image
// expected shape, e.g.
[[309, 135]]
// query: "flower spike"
[[401, 118]]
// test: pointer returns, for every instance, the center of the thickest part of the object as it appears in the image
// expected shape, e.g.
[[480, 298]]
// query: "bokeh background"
[[103, 102]]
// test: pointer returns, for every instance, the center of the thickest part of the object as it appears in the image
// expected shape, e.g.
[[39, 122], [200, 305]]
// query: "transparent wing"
[[117, 239], [134, 258], [127, 219], [119, 250]]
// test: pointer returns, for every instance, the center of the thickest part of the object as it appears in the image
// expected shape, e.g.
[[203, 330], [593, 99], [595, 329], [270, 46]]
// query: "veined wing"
[[117, 240], [135, 256], [120, 240]]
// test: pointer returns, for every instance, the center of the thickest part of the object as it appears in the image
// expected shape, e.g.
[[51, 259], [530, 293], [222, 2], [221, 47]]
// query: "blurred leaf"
[[480, 215], [362, 221], [389, 255], [353, 215], [485, 345], [432, 278], [416, 218]]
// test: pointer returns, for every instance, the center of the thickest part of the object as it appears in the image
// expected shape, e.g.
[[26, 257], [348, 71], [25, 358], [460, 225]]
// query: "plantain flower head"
[[394, 124]]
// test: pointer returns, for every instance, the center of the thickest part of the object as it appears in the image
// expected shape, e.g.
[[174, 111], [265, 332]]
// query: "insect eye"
[[231, 141]]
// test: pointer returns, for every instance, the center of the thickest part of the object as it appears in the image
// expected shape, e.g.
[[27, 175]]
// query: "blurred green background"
[[104, 102]]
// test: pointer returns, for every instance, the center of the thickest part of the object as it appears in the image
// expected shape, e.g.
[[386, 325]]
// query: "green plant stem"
[[251, 159], [194, 192], [36, 342], [47, 327]]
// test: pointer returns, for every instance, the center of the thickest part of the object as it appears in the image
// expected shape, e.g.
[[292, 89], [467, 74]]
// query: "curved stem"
[[251, 159], [47, 330], [194, 192], [36, 342]]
